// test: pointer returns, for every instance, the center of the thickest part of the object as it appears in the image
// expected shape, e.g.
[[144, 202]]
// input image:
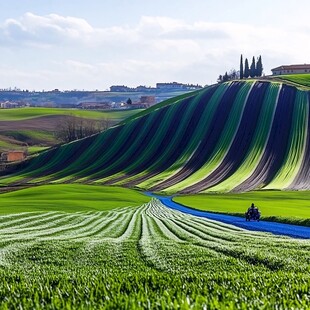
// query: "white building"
[[291, 69], [8, 105]]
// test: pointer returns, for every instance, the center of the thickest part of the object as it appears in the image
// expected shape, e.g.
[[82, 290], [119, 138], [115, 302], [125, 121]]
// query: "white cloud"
[[154, 49], [80, 66], [50, 29]]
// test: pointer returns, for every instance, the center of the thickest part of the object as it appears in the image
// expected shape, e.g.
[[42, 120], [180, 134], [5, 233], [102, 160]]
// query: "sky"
[[93, 44]]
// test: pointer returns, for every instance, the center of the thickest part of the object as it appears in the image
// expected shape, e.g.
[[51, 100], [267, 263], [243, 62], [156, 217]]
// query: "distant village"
[[159, 86], [118, 97], [122, 96]]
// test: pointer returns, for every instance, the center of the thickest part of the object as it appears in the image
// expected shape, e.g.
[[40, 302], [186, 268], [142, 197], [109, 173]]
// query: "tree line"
[[73, 128], [245, 71]]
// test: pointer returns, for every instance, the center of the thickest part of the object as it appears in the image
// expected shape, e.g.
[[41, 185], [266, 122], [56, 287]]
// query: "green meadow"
[[283, 206], [69, 198], [33, 112], [297, 79]]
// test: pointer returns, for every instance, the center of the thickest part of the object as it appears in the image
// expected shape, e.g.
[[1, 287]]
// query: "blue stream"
[[272, 227]]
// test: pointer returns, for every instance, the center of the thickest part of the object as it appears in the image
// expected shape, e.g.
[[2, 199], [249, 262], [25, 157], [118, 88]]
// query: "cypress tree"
[[241, 67], [259, 66], [246, 69], [252, 68]]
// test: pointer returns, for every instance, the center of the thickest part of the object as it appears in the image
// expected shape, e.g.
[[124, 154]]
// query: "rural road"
[[294, 231]]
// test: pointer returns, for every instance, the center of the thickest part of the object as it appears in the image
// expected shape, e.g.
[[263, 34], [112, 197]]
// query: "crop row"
[[146, 257], [236, 136]]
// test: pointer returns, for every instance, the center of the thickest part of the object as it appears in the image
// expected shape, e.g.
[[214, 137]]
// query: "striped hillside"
[[232, 137]]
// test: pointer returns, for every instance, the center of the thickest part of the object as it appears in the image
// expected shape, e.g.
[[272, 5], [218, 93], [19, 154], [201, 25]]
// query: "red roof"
[[292, 67]]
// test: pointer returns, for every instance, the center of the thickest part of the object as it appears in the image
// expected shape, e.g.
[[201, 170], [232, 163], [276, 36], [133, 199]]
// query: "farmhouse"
[[291, 69], [13, 156]]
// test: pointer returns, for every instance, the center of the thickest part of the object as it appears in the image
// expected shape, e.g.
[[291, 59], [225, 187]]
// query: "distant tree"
[[72, 128], [129, 101], [225, 77], [241, 67], [233, 74], [259, 66], [246, 73], [253, 68]]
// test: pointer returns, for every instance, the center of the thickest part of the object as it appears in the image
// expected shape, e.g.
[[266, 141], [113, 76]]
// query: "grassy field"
[[296, 79], [284, 206], [32, 136], [69, 198], [146, 257], [8, 143], [35, 127], [36, 149], [28, 113]]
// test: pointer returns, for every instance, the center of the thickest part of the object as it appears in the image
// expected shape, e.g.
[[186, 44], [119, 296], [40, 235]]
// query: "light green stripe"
[[296, 146], [201, 128], [258, 143], [224, 142], [153, 143], [177, 136]]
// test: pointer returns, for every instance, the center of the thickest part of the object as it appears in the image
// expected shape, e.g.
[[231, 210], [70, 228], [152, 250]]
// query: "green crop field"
[[72, 238], [231, 137], [146, 257], [282, 206], [31, 135], [297, 79], [28, 113], [81, 242], [69, 198]]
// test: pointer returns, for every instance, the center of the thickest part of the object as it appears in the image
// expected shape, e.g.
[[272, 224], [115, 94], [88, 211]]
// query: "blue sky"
[[94, 44]]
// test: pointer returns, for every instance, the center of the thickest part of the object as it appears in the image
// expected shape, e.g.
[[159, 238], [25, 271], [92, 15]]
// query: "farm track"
[[295, 231]]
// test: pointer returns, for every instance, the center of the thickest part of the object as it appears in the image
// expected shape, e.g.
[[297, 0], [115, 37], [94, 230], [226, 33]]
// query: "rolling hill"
[[232, 137], [34, 127]]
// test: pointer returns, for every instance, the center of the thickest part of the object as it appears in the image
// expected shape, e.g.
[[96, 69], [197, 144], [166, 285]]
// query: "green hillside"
[[299, 80], [69, 198], [232, 137], [29, 113], [35, 127]]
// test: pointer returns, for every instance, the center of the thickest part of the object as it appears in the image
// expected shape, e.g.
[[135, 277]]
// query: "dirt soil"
[[44, 123]]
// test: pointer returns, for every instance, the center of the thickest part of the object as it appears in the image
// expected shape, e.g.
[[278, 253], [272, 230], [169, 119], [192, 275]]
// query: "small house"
[[11, 156]]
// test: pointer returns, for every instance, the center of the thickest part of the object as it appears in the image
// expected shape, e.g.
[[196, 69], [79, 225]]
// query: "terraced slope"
[[237, 136]]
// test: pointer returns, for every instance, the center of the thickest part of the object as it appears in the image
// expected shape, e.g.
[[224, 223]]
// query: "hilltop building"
[[291, 69]]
